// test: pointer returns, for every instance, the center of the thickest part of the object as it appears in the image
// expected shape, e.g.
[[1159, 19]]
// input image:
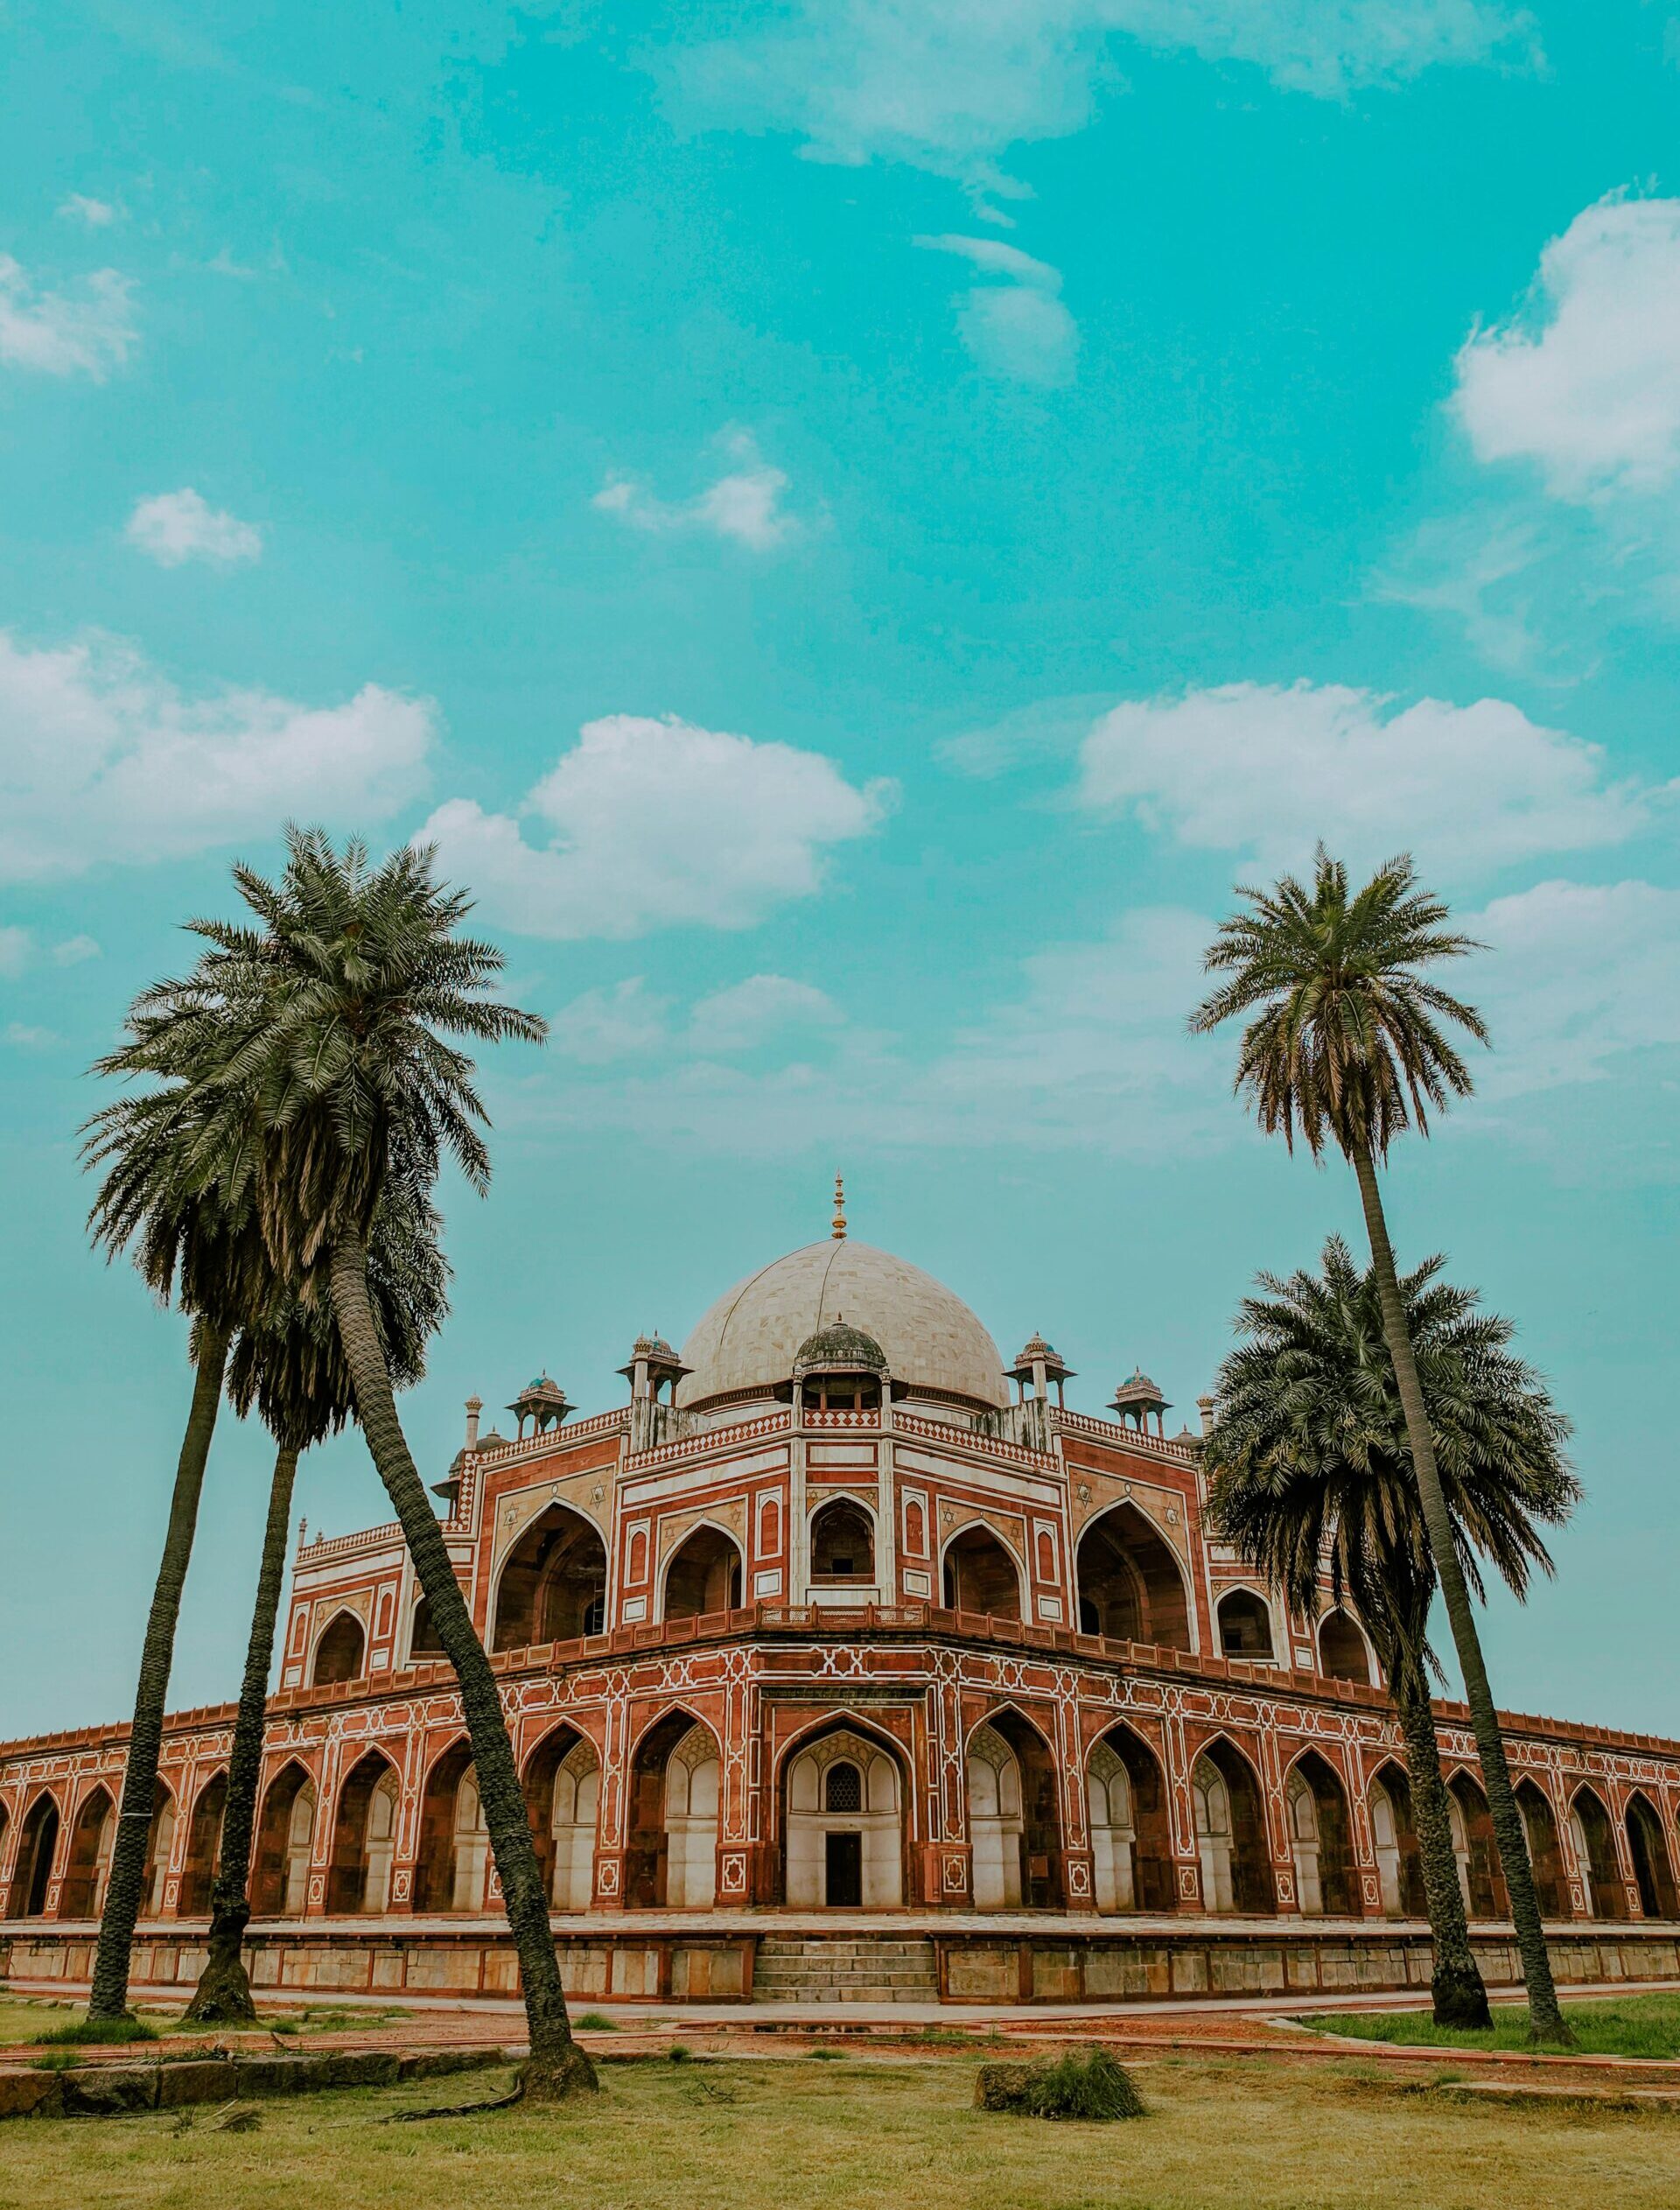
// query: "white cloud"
[[178, 526], [1045, 731], [1586, 385], [97, 214], [763, 1008], [1579, 974], [1257, 768], [653, 823], [743, 504], [23, 1037], [627, 1022], [75, 950], [104, 760], [1018, 328], [16, 948], [949, 83], [60, 336]]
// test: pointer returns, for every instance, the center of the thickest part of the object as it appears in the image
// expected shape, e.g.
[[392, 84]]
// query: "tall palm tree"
[[291, 1369], [334, 1010], [188, 1241], [1308, 1461], [1348, 1043]]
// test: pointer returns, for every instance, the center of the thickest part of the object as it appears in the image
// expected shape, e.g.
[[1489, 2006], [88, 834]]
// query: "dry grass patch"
[[806, 2136]]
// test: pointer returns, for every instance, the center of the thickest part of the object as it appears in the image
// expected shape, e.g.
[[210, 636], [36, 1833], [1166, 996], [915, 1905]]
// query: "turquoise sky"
[[853, 522]]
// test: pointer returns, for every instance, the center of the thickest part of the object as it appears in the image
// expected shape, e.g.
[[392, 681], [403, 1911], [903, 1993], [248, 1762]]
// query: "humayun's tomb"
[[841, 1659]]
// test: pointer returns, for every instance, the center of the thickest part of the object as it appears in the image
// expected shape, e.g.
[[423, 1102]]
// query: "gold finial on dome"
[[838, 1232]]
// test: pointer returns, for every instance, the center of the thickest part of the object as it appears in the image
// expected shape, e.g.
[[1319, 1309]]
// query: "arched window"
[[843, 1542], [553, 1587], [704, 1577], [674, 1779], [1130, 1587], [981, 1576], [843, 1787], [1245, 1626], [1342, 1654], [339, 1652], [424, 1640], [915, 1540]]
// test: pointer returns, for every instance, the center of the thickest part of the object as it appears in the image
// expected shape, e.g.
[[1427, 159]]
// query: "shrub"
[[596, 2022], [1086, 2083]]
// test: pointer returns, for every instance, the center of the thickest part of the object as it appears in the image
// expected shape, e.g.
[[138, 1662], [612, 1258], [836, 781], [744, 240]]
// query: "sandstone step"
[[845, 1968]]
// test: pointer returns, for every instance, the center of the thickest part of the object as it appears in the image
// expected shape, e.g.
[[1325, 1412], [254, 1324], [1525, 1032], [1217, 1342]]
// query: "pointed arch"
[[1132, 1835], [1130, 1581], [843, 1789], [1595, 1854], [676, 1770], [552, 1585], [561, 1782], [1481, 1882], [1229, 1810], [1320, 1838], [424, 1641], [842, 1541], [1394, 1836], [38, 1846], [1014, 1813], [203, 1839], [1648, 1848], [364, 1837], [1243, 1620], [981, 1573], [703, 1575], [1544, 1854], [452, 1859], [160, 1846], [1344, 1651], [285, 1835], [93, 1836], [340, 1651]]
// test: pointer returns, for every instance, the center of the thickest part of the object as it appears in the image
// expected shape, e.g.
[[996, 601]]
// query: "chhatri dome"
[[752, 1338]]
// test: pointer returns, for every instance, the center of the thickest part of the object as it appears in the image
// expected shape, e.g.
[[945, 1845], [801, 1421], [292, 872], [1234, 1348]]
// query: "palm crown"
[[1348, 1037], [1309, 1458]]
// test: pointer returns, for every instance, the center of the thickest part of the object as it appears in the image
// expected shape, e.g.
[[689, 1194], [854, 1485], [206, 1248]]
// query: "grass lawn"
[[22, 2020], [865, 2135], [1631, 2026]]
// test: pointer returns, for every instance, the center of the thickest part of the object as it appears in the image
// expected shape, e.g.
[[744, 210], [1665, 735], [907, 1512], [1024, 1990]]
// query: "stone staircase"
[[865, 1967]]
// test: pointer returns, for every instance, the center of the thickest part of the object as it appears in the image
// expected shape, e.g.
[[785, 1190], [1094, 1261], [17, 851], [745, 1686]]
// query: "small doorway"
[[843, 1872]]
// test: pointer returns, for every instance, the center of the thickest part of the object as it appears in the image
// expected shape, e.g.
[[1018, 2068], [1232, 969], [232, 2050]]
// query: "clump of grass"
[[827, 2056], [282, 2026], [102, 2033], [596, 2022], [55, 2060], [1085, 2084], [680, 2053]]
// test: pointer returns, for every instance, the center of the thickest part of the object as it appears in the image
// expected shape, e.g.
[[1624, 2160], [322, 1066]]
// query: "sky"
[[851, 524]]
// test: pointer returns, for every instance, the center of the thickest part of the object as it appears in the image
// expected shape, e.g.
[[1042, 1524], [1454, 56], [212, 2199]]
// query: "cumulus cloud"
[[97, 214], [178, 526], [627, 1022], [1586, 383], [75, 950], [763, 1007], [1265, 770], [1017, 328], [948, 84], [648, 825], [104, 760], [23, 1036], [58, 334], [744, 504]]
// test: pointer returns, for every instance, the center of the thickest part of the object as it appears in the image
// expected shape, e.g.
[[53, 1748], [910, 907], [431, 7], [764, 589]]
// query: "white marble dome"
[[749, 1337]]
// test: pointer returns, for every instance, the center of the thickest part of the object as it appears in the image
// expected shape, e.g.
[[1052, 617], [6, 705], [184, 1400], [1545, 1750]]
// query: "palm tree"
[[292, 1370], [1348, 1043], [1308, 1461], [190, 1242], [332, 1015]]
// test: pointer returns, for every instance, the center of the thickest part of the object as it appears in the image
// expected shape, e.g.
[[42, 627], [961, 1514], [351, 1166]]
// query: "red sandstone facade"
[[841, 1629]]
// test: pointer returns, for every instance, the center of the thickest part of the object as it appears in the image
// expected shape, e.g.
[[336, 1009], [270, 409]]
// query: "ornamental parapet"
[[723, 1438], [1113, 1436]]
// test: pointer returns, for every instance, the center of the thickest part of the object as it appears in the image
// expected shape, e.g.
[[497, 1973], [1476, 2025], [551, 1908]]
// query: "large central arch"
[[553, 1582], [1132, 1587]]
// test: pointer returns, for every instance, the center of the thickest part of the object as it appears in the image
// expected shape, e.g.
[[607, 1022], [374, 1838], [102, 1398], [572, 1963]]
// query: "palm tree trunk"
[[1546, 2021], [557, 2065], [223, 1995], [1455, 1982], [122, 1889]]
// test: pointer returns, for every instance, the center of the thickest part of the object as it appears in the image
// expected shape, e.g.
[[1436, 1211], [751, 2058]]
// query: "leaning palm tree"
[[1348, 1043], [1309, 1462], [334, 1008], [189, 1241], [291, 1368]]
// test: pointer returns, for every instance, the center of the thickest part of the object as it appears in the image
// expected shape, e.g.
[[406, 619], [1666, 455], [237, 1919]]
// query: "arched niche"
[[203, 1839], [1014, 1816], [451, 1863], [703, 1575], [1394, 1839], [285, 1829], [1343, 1652], [843, 1824], [563, 1797], [38, 1844], [553, 1582], [1550, 1886], [1652, 1873], [364, 1839], [1231, 1833], [674, 1784], [842, 1543], [1131, 1841], [424, 1643], [1320, 1839], [1244, 1620], [1595, 1854], [339, 1652], [93, 1836], [979, 1575], [1481, 1882], [1132, 1587]]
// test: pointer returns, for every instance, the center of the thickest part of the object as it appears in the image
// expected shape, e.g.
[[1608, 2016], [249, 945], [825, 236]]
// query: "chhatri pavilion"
[[842, 1659]]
